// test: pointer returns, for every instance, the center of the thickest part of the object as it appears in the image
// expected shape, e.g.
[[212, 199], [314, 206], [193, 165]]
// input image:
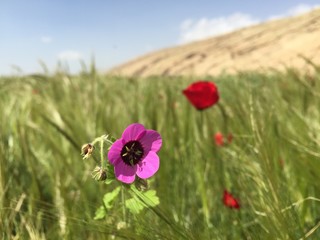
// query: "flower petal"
[[148, 166], [133, 132], [230, 201], [202, 94], [115, 151], [219, 139], [151, 141], [125, 173]]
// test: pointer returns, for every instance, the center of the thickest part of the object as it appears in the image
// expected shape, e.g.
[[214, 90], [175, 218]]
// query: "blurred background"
[[113, 32]]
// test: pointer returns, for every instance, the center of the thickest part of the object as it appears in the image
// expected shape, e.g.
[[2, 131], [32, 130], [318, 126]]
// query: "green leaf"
[[108, 181], [141, 200], [109, 197], [148, 197], [151, 198], [100, 213], [110, 172], [134, 205]]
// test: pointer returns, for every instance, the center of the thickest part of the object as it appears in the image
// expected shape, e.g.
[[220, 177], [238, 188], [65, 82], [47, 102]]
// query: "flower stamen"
[[132, 153]]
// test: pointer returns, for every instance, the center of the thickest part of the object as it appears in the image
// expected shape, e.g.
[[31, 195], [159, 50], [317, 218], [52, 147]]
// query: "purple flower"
[[135, 153]]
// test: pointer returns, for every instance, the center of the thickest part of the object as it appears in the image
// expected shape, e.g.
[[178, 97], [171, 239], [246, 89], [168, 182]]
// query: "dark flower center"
[[132, 153]]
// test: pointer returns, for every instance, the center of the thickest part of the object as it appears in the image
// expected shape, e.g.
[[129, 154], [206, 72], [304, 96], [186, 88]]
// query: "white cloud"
[[301, 9], [294, 11], [192, 30], [46, 39], [70, 55]]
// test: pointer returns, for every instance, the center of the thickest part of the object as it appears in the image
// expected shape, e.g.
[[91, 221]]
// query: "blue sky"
[[120, 30]]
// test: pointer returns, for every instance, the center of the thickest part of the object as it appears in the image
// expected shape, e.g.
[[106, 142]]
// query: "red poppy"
[[230, 201], [218, 137], [202, 94]]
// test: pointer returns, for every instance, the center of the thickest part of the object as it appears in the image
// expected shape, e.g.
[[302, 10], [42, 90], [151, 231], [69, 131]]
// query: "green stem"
[[102, 153], [123, 204], [200, 177], [102, 139], [203, 193], [224, 117], [220, 165]]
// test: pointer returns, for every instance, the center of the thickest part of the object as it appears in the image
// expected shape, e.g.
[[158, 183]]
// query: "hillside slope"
[[276, 44]]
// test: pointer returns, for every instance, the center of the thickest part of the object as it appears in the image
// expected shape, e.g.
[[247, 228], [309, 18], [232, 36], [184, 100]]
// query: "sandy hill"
[[276, 44]]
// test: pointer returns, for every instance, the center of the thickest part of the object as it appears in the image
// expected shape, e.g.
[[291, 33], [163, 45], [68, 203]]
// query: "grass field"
[[272, 165]]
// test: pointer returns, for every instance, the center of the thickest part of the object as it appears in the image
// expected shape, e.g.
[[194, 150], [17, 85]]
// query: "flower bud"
[[86, 150], [99, 174]]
